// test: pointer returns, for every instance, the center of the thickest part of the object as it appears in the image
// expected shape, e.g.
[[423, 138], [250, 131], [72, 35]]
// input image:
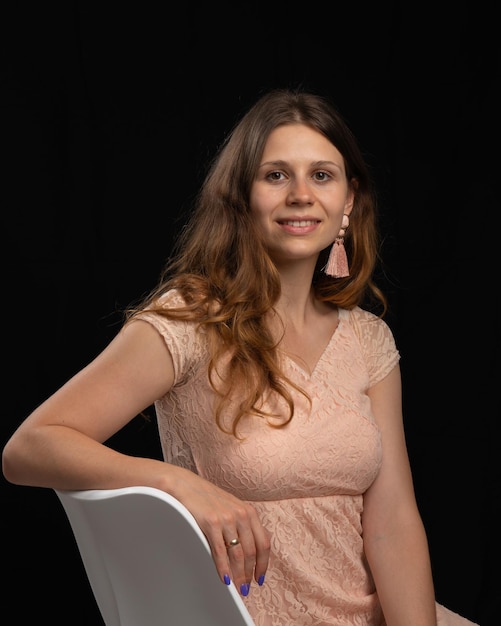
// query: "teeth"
[[299, 223]]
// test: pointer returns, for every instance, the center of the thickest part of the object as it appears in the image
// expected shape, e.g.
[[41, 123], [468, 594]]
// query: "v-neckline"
[[298, 364]]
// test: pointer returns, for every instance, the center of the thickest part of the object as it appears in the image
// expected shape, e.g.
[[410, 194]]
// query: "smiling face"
[[300, 194]]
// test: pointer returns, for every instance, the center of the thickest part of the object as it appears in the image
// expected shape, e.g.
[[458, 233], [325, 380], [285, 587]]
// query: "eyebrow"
[[281, 163]]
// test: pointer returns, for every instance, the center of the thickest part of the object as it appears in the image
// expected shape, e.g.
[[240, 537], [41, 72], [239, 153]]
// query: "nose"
[[299, 192]]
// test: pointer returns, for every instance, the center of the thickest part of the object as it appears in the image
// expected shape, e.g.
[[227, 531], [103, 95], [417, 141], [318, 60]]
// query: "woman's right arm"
[[61, 445]]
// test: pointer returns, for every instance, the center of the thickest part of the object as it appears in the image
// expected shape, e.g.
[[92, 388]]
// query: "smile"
[[299, 223]]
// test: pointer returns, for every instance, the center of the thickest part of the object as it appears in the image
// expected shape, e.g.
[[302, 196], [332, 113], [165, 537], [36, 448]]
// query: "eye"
[[321, 176], [275, 175]]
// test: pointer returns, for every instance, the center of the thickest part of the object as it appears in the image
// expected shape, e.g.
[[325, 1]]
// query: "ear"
[[350, 196]]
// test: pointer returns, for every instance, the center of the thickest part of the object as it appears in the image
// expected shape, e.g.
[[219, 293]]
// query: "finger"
[[221, 559], [263, 549], [254, 541], [241, 559]]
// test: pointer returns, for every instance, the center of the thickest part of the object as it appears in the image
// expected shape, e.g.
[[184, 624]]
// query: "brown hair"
[[224, 273]]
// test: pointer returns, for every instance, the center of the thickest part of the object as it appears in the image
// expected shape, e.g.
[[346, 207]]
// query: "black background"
[[109, 116]]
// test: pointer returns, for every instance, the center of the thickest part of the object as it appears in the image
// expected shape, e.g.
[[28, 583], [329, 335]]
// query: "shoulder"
[[156, 312], [366, 324], [183, 337], [168, 313], [170, 299], [376, 341]]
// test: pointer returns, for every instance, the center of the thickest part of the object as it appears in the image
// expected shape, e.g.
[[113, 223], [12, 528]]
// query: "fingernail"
[[260, 580], [227, 579], [244, 589]]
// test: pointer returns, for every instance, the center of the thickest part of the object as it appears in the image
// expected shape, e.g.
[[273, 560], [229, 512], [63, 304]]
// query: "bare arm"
[[61, 446], [394, 537]]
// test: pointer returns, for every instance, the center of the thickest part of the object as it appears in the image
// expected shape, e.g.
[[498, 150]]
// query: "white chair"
[[147, 560]]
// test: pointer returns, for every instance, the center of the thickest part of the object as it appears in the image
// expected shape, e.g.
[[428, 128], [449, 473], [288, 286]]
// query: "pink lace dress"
[[306, 480]]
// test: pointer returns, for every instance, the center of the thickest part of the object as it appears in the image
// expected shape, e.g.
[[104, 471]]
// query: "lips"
[[298, 223]]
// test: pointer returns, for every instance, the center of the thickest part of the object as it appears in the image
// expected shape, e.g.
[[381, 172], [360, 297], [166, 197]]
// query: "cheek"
[[253, 201], [260, 204]]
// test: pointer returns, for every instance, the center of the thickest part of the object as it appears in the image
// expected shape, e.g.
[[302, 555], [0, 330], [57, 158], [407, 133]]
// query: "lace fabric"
[[306, 479]]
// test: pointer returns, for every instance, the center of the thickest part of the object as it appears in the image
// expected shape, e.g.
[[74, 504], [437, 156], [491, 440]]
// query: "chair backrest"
[[147, 561]]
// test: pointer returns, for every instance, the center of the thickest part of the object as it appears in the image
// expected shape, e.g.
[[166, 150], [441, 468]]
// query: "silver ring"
[[233, 542]]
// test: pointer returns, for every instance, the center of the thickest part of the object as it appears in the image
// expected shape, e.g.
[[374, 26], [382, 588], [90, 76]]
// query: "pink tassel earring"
[[337, 265]]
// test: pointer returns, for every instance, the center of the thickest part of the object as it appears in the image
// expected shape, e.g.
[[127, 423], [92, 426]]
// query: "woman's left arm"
[[394, 536]]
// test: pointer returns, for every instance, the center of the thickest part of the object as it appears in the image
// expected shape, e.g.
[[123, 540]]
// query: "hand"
[[239, 543]]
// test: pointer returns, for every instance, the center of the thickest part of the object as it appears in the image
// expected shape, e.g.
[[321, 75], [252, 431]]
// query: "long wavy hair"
[[224, 273]]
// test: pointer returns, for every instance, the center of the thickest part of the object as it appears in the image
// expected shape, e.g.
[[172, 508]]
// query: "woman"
[[278, 396]]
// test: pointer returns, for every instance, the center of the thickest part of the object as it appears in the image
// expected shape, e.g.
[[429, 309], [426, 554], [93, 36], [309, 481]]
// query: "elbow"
[[12, 462]]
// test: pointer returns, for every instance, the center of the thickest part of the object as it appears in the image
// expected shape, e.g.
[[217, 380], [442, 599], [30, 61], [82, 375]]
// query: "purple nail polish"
[[227, 579], [260, 580], [244, 589]]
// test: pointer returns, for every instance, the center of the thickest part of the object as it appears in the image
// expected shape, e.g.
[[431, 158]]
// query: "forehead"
[[299, 141]]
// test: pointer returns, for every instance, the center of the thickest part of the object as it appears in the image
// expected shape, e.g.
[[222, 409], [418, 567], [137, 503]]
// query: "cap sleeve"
[[185, 341], [377, 343]]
